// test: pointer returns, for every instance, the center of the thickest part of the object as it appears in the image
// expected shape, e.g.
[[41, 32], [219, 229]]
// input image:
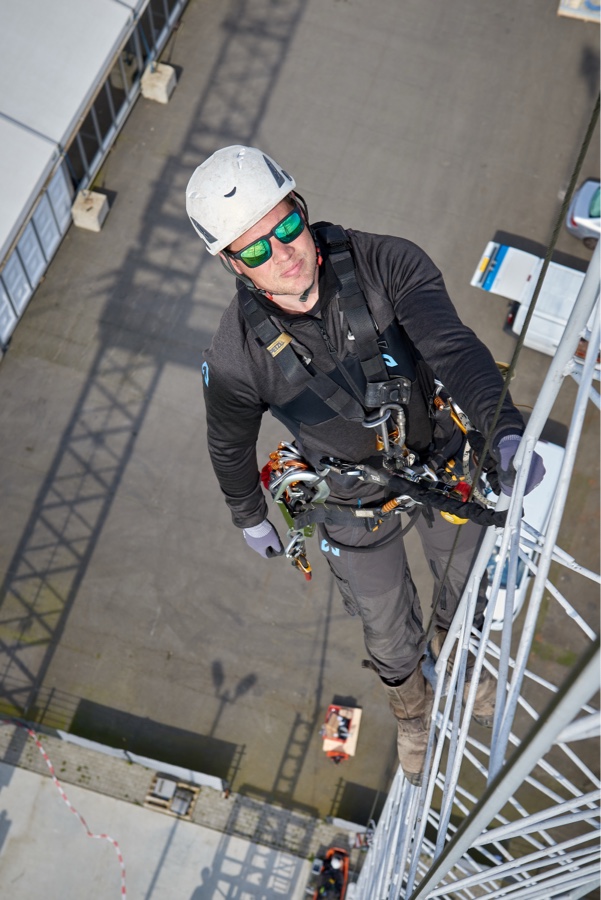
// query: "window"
[[595, 210]]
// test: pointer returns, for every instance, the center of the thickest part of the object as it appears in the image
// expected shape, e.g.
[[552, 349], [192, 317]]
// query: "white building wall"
[[42, 105]]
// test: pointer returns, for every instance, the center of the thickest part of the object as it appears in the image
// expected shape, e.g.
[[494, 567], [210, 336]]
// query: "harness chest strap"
[[278, 345]]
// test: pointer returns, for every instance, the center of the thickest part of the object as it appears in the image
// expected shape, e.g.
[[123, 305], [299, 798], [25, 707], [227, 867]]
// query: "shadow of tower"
[[144, 326]]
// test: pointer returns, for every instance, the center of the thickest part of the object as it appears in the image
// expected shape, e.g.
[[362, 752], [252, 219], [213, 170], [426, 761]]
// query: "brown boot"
[[486, 692], [411, 705]]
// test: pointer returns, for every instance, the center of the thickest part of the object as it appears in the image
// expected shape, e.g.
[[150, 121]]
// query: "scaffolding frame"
[[518, 815]]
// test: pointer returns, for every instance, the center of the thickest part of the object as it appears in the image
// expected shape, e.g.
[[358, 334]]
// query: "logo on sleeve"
[[205, 373]]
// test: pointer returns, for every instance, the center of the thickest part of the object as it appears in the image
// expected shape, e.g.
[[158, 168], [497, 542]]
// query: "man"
[[333, 331]]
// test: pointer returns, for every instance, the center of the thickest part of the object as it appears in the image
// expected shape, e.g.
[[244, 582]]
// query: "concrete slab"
[[158, 83], [89, 210], [46, 851]]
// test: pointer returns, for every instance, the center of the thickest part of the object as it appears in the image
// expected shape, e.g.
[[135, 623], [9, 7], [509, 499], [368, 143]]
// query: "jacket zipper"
[[332, 351]]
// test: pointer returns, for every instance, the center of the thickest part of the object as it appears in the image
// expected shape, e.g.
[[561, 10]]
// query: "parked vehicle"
[[513, 274], [583, 218], [537, 509]]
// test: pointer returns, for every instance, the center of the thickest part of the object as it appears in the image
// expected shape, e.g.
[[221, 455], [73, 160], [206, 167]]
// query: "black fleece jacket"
[[242, 380]]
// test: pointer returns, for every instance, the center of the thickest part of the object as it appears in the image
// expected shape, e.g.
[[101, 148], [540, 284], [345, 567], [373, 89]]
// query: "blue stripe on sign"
[[494, 270]]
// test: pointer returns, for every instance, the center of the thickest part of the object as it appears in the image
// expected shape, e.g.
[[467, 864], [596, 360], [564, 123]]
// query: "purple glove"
[[504, 453], [263, 539]]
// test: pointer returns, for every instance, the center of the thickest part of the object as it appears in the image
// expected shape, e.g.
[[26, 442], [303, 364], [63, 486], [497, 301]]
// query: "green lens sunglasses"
[[286, 231]]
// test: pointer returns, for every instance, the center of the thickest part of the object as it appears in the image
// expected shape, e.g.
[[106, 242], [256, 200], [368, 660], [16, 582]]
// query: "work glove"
[[263, 539], [504, 453]]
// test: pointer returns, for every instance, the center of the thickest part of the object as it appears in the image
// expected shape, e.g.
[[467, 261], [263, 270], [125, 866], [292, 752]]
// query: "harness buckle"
[[380, 393]]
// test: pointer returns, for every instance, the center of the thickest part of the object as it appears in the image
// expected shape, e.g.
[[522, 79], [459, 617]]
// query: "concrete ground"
[[134, 614], [151, 854], [232, 846]]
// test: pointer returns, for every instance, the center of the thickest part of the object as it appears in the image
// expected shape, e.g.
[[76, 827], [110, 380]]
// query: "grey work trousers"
[[373, 576]]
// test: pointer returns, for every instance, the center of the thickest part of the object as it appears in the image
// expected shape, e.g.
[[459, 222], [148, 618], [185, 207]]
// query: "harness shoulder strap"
[[353, 303]]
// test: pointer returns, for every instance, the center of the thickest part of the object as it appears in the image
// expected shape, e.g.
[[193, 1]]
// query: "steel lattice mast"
[[519, 815]]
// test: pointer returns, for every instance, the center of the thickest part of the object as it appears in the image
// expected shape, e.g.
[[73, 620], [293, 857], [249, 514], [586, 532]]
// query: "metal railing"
[[517, 814]]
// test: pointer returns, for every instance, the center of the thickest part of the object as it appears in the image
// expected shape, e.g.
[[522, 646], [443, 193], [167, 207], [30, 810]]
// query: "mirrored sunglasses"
[[286, 231]]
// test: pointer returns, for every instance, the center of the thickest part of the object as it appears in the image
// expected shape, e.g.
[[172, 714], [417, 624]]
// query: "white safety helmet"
[[336, 862], [231, 191]]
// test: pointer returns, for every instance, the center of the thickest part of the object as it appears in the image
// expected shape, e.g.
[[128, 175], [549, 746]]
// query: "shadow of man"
[[205, 890]]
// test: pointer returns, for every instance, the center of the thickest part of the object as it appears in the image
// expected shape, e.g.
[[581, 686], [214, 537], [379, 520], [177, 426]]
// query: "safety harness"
[[380, 388], [302, 494]]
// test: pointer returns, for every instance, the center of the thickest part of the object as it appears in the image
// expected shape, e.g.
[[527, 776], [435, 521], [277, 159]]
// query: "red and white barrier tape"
[[103, 837]]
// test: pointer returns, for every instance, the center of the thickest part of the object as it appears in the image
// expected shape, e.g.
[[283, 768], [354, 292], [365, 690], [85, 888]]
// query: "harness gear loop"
[[292, 485]]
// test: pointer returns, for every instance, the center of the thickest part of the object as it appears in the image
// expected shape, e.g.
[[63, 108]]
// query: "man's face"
[[291, 267]]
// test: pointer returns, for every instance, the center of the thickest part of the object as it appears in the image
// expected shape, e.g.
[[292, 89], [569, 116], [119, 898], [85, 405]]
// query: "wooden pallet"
[[171, 796]]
